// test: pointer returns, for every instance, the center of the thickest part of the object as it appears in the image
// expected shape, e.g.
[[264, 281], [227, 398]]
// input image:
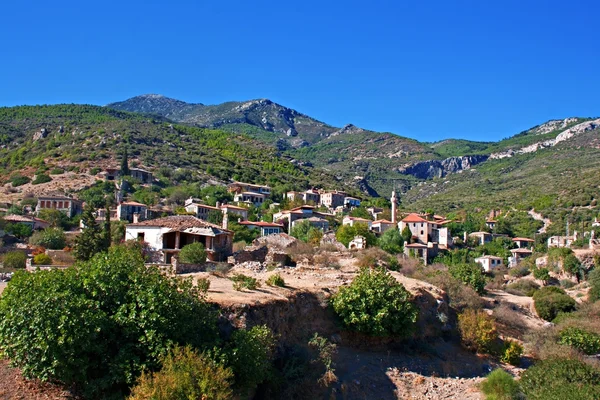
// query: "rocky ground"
[[14, 387]]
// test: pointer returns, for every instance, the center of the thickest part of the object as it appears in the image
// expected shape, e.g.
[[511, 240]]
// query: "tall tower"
[[394, 201]]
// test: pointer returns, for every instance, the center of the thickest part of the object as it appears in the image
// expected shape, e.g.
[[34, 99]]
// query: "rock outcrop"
[[440, 168]]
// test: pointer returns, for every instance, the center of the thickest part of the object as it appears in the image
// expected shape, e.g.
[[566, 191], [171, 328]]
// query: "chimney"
[[225, 221], [465, 237], [218, 205], [136, 218]]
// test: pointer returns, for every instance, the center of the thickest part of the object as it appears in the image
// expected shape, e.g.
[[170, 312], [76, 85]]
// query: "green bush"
[[500, 385], [519, 271], [551, 300], [41, 178], [20, 231], [585, 341], [543, 274], [56, 171], [203, 284], [375, 303], [470, 274], [567, 283], [42, 259], [477, 330], [241, 282], [94, 171], [523, 287], [59, 324], [559, 379], [19, 180], [511, 353], [49, 238], [594, 281], [276, 280], [193, 253], [185, 375], [14, 259], [249, 354], [391, 241]]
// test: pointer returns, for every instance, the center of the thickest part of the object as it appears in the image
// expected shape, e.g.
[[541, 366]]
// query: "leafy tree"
[[50, 238], [406, 234], [361, 212], [375, 303], [215, 217], [56, 218], [549, 301], [300, 230], [346, 233], [500, 385], [470, 274], [478, 330], [543, 274], [91, 240], [99, 325], [193, 253], [242, 233], [391, 241], [18, 230], [314, 236], [594, 281], [572, 266], [14, 259]]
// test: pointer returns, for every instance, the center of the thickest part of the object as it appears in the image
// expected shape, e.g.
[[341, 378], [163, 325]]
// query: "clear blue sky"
[[479, 70]]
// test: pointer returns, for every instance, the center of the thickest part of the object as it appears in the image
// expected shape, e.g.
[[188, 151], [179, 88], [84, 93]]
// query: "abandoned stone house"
[[67, 205], [167, 236]]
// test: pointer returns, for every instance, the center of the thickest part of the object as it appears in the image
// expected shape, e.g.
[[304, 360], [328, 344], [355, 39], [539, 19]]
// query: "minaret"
[[394, 201]]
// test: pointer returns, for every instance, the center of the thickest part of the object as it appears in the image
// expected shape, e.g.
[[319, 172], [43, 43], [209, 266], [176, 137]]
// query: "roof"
[[353, 198], [202, 206], [521, 251], [133, 203], [249, 184], [413, 217], [383, 221], [178, 223], [254, 194], [57, 198], [358, 219], [518, 239], [140, 170], [479, 233], [233, 207], [489, 258], [303, 207], [416, 246], [262, 224], [18, 218], [315, 219]]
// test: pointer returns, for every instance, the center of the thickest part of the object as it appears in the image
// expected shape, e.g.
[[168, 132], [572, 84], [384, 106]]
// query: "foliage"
[[241, 282], [543, 274], [511, 353], [50, 238], [203, 285], [406, 234], [523, 287], [276, 280], [325, 353], [470, 274], [361, 212], [391, 241], [99, 325], [561, 378], [41, 178], [193, 253], [519, 271], [92, 238], [56, 218], [242, 233], [185, 375], [42, 259], [572, 266], [585, 341], [375, 303], [477, 330], [500, 385], [346, 233], [14, 259], [461, 296], [19, 230], [249, 355], [19, 180], [300, 230], [594, 281], [550, 300]]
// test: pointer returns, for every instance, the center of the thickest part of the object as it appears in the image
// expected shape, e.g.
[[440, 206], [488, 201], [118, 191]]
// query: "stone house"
[[167, 236], [382, 225], [33, 222], [67, 205], [127, 209], [249, 193], [266, 228], [348, 220], [333, 199]]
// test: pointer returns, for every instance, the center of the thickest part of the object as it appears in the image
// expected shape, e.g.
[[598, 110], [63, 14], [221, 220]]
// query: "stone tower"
[[394, 201]]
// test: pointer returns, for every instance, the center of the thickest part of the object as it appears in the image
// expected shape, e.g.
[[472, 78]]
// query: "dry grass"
[[510, 321]]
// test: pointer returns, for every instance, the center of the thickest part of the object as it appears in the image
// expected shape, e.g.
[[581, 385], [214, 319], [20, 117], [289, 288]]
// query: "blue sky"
[[479, 70]]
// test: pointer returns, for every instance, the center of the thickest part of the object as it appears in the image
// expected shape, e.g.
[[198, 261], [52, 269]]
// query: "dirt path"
[[539, 217]]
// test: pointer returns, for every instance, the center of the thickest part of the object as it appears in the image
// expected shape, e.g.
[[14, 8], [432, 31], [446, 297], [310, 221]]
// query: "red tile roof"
[[178, 222], [518, 239], [261, 224], [413, 217], [133, 203]]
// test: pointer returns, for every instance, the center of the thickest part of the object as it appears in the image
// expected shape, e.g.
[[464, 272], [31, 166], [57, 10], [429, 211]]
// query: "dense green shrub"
[[560, 379], [193, 253], [543, 274], [49, 238], [20, 231], [470, 274], [249, 354], [56, 171], [477, 330], [391, 241], [19, 180], [551, 300], [185, 375], [566, 283], [97, 326], [500, 385], [14, 259], [524, 287], [460, 295], [519, 271], [375, 303], [511, 352], [346, 233], [42, 259], [594, 281], [276, 280], [41, 178], [585, 341], [241, 282]]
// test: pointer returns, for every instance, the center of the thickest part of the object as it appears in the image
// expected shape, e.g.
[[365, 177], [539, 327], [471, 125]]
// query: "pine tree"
[[106, 232], [125, 164]]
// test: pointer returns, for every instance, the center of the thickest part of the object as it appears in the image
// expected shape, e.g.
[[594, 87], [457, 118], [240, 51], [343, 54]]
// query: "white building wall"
[[152, 235]]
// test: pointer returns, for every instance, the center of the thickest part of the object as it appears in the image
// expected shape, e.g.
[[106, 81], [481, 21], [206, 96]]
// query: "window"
[[421, 232], [141, 236]]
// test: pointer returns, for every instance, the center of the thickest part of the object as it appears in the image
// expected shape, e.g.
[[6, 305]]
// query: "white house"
[[167, 236], [348, 220], [266, 228], [489, 262]]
